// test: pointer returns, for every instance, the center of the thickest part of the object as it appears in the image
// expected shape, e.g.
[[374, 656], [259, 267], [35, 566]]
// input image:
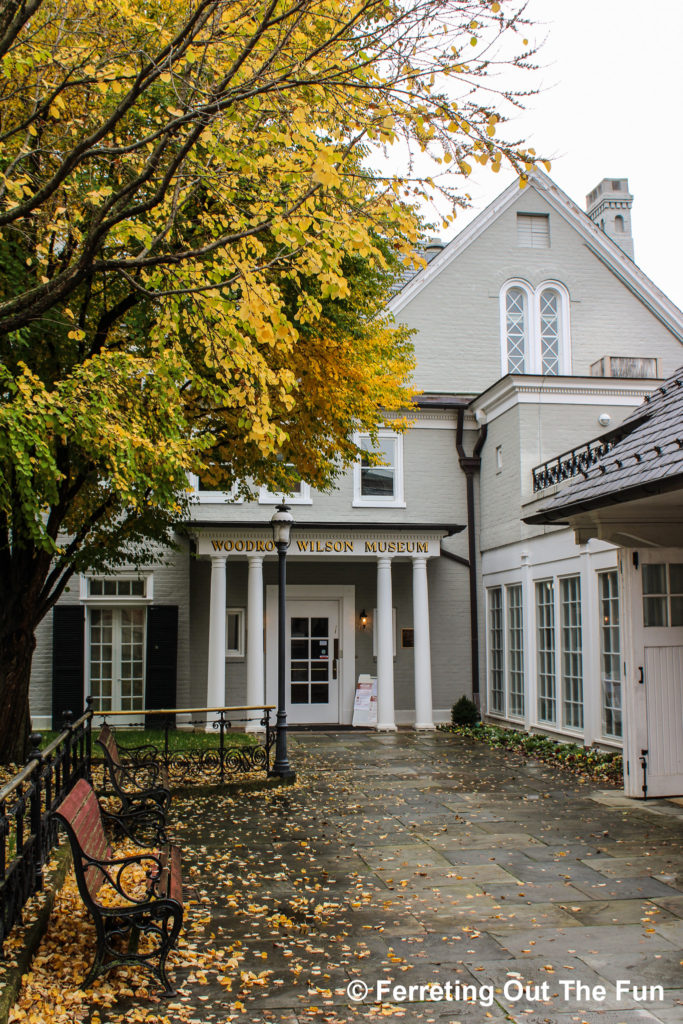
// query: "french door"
[[116, 649], [312, 662]]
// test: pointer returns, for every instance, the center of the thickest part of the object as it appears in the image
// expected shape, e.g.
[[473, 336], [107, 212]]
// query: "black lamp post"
[[282, 524]]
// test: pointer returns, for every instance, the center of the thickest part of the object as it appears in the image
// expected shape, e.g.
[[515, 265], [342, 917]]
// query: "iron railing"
[[571, 463], [28, 829], [205, 763]]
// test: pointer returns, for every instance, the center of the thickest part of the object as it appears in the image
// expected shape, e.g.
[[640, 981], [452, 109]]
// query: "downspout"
[[471, 464]]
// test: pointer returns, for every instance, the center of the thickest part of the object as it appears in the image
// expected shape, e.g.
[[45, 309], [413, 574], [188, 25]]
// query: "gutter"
[[471, 464]]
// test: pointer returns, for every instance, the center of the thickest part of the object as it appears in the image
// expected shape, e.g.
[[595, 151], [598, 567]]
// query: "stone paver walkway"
[[417, 860]]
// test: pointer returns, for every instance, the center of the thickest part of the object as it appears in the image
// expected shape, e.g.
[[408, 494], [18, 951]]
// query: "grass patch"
[[599, 766], [178, 739]]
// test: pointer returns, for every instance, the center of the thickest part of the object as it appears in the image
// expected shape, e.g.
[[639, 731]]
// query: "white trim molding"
[[395, 500]]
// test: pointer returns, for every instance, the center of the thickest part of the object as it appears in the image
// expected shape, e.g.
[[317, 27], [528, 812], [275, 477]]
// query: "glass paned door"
[[313, 661], [117, 658]]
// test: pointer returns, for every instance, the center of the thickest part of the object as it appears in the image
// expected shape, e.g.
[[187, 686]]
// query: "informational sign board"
[[365, 702]]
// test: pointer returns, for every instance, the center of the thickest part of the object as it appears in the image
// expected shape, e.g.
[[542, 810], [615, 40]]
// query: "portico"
[[324, 658]]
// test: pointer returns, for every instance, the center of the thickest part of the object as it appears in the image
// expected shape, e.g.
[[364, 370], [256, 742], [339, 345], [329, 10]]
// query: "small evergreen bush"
[[464, 712]]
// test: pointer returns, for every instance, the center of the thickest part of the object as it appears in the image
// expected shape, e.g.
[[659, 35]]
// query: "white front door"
[[657, 672], [312, 669], [116, 650]]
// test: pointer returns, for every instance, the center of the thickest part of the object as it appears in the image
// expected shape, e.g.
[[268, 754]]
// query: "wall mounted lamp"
[[363, 619]]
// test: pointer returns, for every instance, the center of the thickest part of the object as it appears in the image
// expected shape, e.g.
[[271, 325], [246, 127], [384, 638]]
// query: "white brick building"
[[519, 320]]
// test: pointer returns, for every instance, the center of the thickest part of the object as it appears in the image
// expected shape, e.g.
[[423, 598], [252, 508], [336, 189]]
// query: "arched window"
[[535, 328], [618, 223], [515, 329], [549, 310]]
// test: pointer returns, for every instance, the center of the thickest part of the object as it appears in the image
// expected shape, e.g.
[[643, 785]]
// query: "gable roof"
[[645, 457], [602, 247]]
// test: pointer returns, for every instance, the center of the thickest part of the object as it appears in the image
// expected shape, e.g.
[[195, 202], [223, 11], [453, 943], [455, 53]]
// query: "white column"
[[255, 676], [386, 721], [215, 687], [424, 718]]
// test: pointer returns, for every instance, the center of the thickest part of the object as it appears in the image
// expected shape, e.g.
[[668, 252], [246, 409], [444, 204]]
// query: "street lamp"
[[282, 524]]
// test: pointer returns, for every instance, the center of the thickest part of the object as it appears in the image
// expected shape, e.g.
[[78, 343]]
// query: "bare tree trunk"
[[16, 653]]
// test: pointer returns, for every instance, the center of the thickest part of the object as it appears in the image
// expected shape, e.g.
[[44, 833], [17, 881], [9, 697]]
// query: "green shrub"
[[464, 712]]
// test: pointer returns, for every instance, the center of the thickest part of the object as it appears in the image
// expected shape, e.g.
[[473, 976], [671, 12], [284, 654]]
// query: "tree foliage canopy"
[[197, 244]]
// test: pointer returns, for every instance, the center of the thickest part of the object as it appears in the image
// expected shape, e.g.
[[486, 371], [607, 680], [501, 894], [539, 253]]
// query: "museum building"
[[535, 331]]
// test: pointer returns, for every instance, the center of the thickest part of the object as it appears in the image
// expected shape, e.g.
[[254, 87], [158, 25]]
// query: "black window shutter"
[[162, 659], [68, 651]]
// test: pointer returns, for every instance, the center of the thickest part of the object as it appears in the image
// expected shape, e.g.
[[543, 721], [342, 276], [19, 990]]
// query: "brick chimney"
[[609, 206]]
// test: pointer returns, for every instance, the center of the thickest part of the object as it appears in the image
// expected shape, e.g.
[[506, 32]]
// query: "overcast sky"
[[611, 106]]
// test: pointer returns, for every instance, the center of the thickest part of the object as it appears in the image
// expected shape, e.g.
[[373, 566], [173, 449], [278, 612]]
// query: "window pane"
[[319, 648], [319, 693], [676, 578], [515, 329], [572, 658], [654, 579], [545, 627], [95, 588], [496, 650], [677, 611], [233, 631], [299, 693], [515, 650], [299, 648], [610, 660], [550, 332], [378, 481], [654, 611]]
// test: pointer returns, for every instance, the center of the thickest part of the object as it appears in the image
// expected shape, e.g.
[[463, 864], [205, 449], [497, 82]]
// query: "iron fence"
[[207, 762], [28, 829]]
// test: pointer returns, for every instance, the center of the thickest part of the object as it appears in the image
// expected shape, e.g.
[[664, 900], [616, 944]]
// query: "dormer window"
[[535, 328]]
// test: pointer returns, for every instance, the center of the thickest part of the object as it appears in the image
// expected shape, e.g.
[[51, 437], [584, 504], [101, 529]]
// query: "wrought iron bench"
[[123, 906], [138, 780]]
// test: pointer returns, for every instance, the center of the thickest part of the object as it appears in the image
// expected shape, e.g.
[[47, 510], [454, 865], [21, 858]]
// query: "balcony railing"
[[569, 464]]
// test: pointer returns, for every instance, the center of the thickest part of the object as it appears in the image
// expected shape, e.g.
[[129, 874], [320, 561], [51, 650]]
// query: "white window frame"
[[115, 599], [555, 699], [509, 651], [266, 497], [533, 361], [213, 497], [98, 604], [237, 652], [615, 654], [577, 652], [498, 712], [378, 501]]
